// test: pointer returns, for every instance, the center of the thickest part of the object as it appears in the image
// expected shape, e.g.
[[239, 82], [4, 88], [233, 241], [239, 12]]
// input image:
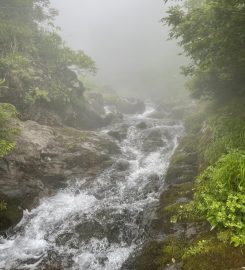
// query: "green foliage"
[[38, 68], [220, 195], [173, 250], [7, 131], [201, 247], [211, 34], [3, 205], [222, 132], [226, 133]]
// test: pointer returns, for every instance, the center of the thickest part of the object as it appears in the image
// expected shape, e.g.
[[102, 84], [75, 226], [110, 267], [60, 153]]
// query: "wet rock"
[[122, 165], [183, 167], [115, 134], [154, 177], [131, 106], [153, 141], [44, 159], [54, 181], [146, 259], [174, 267], [191, 230], [141, 125], [157, 115], [153, 184], [126, 105], [169, 243], [64, 238], [113, 118], [161, 112], [96, 101], [83, 117], [167, 134], [89, 229], [45, 116], [11, 215], [119, 133]]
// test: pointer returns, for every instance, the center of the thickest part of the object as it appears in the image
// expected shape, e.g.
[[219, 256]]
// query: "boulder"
[[96, 101], [130, 106], [119, 133], [89, 229], [45, 159], [122, 165], [142, 125], [126, 105], [115, 134], [113, 118], [153, 140]]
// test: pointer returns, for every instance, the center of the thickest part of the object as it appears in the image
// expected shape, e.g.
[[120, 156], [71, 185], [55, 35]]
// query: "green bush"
[[201, 247], [7, 131], [226, 132], [220, 195], [3, 205]]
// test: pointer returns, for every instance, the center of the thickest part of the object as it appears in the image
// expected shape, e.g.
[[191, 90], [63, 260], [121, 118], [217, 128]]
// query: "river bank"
[[181, 240]]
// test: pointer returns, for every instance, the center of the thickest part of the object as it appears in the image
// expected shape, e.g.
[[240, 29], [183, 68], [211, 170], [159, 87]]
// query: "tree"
[[34, 61], [212, 35]]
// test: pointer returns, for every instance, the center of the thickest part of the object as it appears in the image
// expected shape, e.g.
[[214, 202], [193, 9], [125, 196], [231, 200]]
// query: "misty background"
[[128, 43]]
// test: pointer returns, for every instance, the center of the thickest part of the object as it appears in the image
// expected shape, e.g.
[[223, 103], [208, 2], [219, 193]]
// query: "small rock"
[[115, 134], [154, 177], [141, 125], [122, 165]]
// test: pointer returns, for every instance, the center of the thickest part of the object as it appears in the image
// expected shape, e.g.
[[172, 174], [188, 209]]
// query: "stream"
[[96, 224]]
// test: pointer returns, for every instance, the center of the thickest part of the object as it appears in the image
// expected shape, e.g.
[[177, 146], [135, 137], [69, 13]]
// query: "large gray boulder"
[[45, 158]]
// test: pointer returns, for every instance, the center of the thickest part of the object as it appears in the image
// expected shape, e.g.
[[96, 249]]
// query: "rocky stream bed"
[[89, 198]]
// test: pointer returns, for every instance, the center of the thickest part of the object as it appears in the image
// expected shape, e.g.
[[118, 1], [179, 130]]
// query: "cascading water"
[[98, 223]]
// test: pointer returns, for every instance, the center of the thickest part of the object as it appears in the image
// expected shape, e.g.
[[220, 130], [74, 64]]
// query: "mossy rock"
[[170, 202], [183, 166], [173, 194], [151, 257], [218, 257], [158, 255], [11, 215]]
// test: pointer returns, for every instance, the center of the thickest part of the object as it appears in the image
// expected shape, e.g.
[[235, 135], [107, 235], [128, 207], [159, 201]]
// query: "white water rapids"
[[97, 224]]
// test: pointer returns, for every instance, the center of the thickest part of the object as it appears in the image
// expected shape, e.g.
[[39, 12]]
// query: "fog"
[[127, 41]]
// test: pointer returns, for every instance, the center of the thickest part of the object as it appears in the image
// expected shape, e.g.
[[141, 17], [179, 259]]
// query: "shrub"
[[3, 205], [227, 132], [7, 131], [220, 195]]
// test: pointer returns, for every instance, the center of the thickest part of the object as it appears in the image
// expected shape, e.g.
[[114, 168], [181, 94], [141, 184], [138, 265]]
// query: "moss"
[[11, 215], [195, 246], [178, 158], [151, 257], [173, 249], [183, 166], [170, 201], [173, 194], [157, 255], [217, 256]]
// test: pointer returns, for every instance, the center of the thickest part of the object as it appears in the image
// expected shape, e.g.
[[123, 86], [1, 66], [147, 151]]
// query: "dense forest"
[[40, 80]]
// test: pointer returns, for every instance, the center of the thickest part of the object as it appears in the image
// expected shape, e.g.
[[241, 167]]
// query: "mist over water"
[[127, 42]]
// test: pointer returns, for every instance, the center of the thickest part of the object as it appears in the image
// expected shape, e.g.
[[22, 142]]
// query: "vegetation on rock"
[[211, 34], [37, 69], [7, 130]]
